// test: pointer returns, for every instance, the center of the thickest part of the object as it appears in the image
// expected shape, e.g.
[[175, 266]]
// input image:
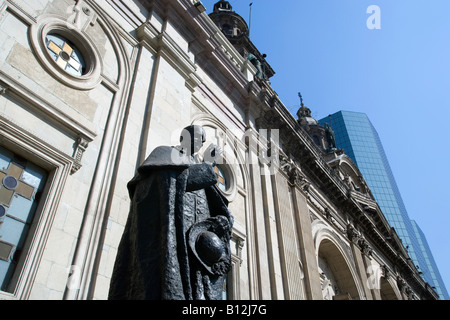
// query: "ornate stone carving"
[[239, 246], [312, 217], [386, 272], [2, 90], [405, 288], [365, 188], [365, 247], [400, 283], [409, 293], [357, 238], [80, 148], [352, 234], [327, 214], [294, 174]]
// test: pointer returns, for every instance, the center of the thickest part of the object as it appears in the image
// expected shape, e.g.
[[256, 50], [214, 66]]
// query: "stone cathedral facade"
[[89, 88]]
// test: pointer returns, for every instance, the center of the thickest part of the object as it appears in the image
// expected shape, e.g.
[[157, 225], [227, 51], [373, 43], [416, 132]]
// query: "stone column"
[[288, 239], [259, 228], [310, 267], [361, 265]]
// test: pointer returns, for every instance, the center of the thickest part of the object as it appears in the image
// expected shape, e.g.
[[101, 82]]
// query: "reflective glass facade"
[[357, 136], [432, 269]]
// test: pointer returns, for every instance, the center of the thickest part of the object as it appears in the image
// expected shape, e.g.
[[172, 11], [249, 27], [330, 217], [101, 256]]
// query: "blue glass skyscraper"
[[431, 271], [357, 136]]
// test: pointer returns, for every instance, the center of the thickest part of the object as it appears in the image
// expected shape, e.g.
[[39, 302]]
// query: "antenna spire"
[[250, 19]]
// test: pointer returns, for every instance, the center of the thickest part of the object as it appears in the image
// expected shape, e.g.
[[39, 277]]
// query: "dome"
[[310, 121], [228, 21]]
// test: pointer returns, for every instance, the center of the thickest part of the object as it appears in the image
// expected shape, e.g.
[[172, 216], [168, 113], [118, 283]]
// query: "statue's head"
[[192, 138]]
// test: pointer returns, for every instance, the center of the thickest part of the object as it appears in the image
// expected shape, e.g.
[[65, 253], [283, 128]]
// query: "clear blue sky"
[[398, 75]]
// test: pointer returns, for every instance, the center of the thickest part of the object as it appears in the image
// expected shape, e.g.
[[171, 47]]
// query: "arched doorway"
[[336, 278], [387, 292]]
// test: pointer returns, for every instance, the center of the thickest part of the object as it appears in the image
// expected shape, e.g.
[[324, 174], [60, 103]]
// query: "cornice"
[[215, 53], [163, 45], [213, 50], [361, 209], [51, 112]]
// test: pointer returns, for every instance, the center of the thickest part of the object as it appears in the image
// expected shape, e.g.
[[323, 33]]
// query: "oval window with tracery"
[[65, 54]]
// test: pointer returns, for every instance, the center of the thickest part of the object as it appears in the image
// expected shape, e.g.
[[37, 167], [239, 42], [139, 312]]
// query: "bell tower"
[[236, 30], [229, 22], [323, 136]]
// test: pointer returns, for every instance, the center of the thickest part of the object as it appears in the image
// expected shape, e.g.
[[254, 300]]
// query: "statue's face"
[[192, 138]]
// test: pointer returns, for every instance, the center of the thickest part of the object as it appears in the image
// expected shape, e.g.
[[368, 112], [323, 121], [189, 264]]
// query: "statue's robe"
[[153, 260]]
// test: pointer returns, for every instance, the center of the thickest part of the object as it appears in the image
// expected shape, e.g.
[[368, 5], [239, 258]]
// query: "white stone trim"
[[80, 133], [51, 23], [58, 166]]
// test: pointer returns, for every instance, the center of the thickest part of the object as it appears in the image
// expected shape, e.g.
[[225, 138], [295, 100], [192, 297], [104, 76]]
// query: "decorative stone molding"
[[312, 217], [73, 30], [80, 133], [161, 44], [386, 272], [333, 221], [405, 288], [352, 234], [295, 176], [17, 139], [239, 246], [328, 215], [365, 247], [81, 147], [2, 90], [357, 238], [401, 283], [199, 5]]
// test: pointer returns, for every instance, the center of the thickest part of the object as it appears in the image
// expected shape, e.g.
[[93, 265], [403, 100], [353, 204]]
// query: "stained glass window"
[[21, 183], [221, 179], [66, 55], [225, 290]]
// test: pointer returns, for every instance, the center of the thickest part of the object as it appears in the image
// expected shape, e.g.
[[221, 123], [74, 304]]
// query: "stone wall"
[[152, 68]]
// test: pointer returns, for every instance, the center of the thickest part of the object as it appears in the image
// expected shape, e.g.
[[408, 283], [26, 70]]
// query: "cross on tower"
[[301, 98]]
